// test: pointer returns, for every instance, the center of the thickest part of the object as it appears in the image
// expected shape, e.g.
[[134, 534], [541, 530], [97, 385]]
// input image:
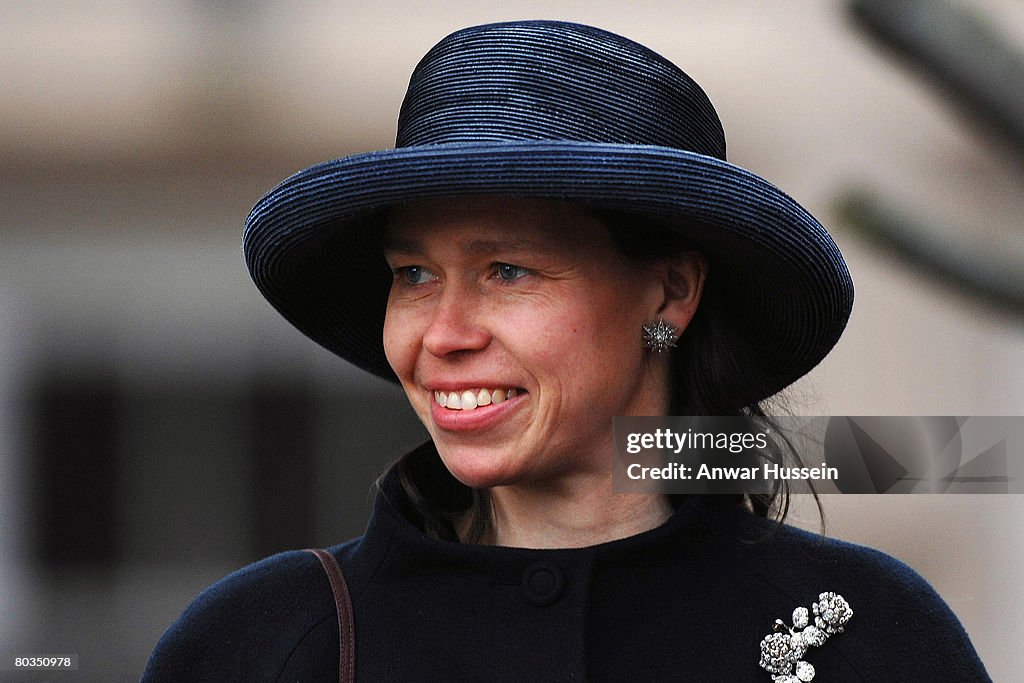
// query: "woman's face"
[[515, 327]]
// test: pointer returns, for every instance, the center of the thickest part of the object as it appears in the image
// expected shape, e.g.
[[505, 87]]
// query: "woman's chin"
[[479, 468]]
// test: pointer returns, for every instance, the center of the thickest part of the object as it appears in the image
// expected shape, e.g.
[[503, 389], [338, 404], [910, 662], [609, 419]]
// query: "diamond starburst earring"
[[660, 336]]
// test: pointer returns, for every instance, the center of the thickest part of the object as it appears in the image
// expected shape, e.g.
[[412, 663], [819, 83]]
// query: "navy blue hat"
[[562, 111]]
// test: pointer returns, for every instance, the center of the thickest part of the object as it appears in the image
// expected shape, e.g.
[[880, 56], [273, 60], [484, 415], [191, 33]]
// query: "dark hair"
[[713, 372]]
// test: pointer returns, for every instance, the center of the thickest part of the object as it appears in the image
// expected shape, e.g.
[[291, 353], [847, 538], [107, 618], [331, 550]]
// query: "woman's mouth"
[[471, 399]]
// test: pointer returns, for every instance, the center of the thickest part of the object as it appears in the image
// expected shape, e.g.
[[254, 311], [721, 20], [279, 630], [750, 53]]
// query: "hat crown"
[[546, 80]]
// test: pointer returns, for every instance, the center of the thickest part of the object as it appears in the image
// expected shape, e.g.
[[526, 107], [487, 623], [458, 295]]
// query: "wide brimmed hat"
[[552, 110]]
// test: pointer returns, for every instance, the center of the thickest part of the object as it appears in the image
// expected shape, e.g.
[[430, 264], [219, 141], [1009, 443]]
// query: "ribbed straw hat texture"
[[563, 111]]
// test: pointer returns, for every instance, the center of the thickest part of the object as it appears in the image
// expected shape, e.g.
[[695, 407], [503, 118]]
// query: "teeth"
[[472, 398]]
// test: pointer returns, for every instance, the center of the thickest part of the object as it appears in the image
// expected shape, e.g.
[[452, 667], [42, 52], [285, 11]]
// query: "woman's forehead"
[[491, 224]]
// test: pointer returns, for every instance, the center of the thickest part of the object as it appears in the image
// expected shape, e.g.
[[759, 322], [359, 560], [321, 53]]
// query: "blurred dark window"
[[75, 470]]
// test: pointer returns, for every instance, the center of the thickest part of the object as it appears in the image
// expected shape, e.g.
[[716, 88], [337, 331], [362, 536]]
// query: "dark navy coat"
[[688, 601]]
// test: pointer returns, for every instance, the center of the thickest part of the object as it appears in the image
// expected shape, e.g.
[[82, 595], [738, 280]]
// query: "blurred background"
[[161, 426]]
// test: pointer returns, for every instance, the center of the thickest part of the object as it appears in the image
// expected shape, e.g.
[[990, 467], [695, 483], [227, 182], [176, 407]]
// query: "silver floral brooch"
[[782, 652]]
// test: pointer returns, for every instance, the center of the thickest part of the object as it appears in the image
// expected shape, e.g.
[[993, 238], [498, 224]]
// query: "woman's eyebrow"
[[400, 245]]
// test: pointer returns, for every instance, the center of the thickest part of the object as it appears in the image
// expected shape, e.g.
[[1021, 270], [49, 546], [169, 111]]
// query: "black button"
[[542, 583]]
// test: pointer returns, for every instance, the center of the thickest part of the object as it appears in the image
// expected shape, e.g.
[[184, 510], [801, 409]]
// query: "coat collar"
[[397, 542]]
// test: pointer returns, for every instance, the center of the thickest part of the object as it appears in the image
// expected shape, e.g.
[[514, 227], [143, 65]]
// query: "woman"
[[556, 240]]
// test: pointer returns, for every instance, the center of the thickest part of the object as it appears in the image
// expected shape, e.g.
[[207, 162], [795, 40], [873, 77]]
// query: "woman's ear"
[[683, 279]]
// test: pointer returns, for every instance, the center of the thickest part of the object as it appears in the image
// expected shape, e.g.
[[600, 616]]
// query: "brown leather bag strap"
[[343, 606]]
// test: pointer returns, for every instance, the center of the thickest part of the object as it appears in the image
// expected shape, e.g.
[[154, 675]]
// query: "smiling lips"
[[471, 399]]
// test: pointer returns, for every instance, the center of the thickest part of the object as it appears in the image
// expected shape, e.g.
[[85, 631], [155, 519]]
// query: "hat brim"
[[312, 245]]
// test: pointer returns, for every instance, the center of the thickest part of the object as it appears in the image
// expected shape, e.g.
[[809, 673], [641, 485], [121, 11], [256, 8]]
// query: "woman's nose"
[[456, 323]]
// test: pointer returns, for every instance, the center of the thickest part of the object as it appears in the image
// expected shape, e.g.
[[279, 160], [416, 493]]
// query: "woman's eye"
[[413, 275], [508, 272]]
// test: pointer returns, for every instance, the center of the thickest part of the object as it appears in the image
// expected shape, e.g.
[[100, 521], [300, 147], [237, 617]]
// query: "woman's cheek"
[[397, 344]]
